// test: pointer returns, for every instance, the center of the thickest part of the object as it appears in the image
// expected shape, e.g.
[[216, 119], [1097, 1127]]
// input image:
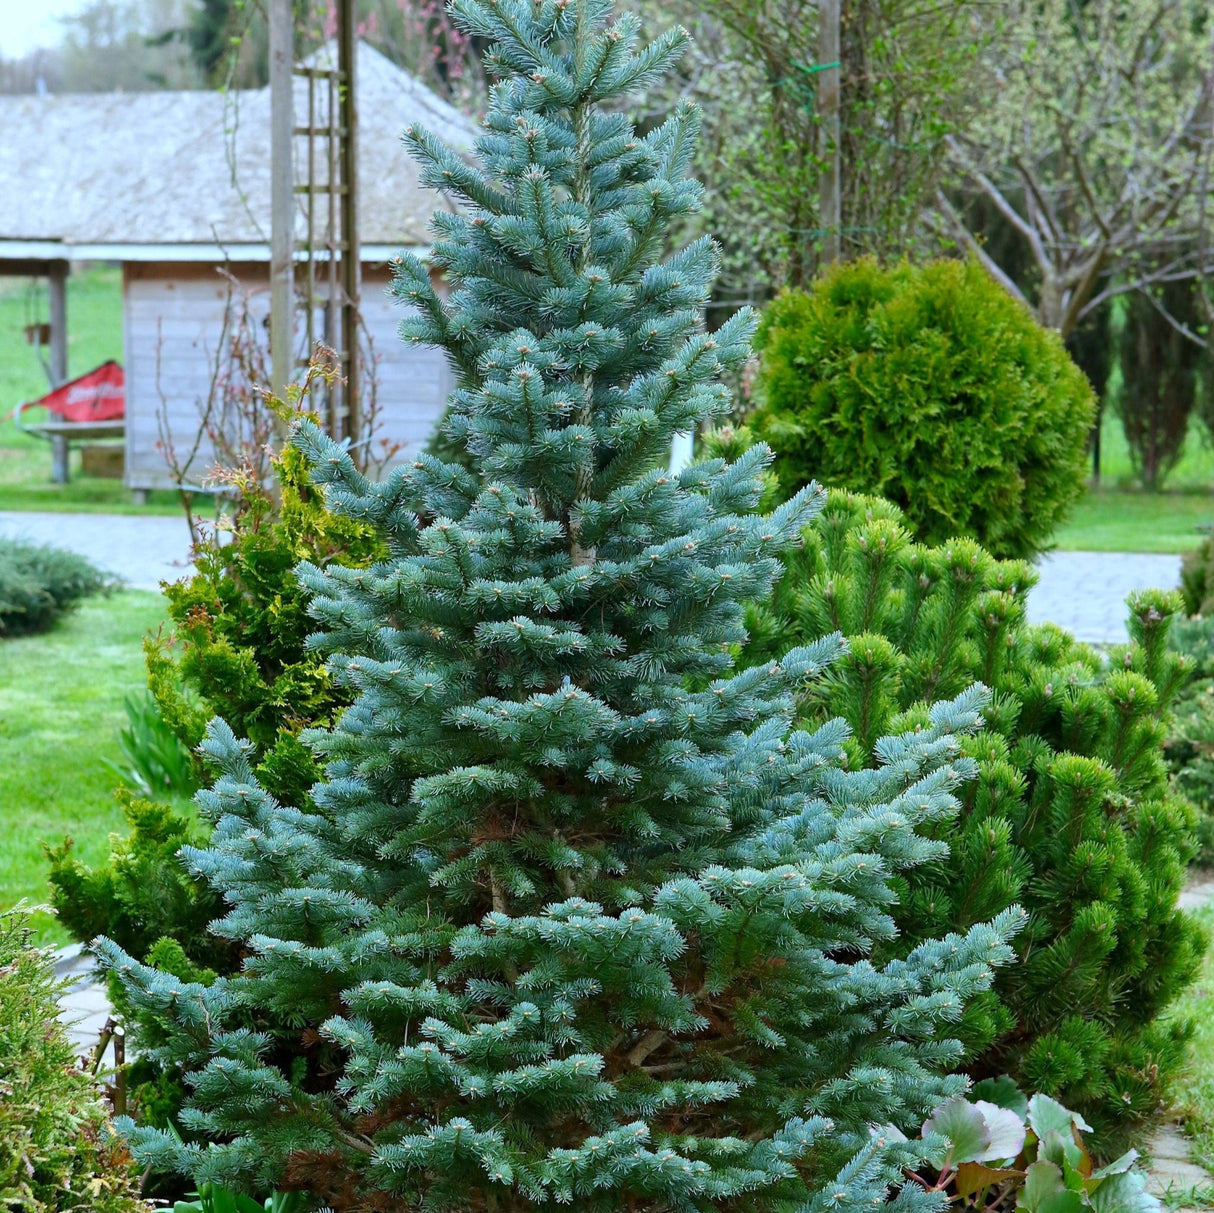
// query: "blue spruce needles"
[[574, 918]]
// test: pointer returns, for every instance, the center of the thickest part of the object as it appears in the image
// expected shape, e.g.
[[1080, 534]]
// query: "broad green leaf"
[[964, 1126], [1003, 1092], [1045, 1192], [1059, 1146], [1046, 1114], [1125, 1192], [1118, 1166]]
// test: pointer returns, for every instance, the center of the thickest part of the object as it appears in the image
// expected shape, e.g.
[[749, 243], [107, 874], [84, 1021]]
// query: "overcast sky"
[[27, 24]]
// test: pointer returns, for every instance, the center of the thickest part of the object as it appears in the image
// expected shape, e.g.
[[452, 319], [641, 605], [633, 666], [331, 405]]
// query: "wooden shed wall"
[[173, 323]]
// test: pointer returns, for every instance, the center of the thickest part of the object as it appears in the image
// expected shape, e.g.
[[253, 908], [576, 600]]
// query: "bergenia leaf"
[[1046, 1114], [965, 1127], [1006, 1131], [1003, 1092], [1125, 1192], [1118, 1166], [973, 1177], [1045, 1192]]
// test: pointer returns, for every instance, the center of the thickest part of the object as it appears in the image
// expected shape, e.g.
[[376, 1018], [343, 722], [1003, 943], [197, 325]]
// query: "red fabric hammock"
[[98, 396]]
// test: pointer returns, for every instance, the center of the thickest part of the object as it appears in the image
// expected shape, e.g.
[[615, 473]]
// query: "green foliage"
[[155, 763], [142, 893], [38, 584], [930, 386], [145, 898], [57, 1153], [1006, 1152], [1197, 578], [238, 648], [215, 1199], [573, 917], [1190, 745], [1071, 814]]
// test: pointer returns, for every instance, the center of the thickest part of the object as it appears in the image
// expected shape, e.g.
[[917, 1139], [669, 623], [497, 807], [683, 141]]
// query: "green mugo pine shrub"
[[57, 1151], [930, 386], [1071, 815], [573, 918], [39, 584]]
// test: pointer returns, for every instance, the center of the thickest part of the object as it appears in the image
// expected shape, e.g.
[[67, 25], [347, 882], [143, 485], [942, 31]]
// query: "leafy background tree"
[[1091, 143], [1162, 371]]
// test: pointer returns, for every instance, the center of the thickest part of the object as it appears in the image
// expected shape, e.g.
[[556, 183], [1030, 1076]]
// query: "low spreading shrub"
[[39, 584], [56, 1150], [929, 385], [142, 893], [1190, 745], [1197, 578], [1072, 814]]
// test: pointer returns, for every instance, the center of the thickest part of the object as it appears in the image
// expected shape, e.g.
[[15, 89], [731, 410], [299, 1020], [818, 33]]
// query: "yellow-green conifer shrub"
[[931, 386]]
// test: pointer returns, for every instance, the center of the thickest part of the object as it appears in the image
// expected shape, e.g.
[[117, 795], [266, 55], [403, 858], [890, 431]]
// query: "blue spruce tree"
[[574, 918]]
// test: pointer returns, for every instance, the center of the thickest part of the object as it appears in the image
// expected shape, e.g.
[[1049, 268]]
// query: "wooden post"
[[351, 256], [56, 277], [282, 195], [830, 218]]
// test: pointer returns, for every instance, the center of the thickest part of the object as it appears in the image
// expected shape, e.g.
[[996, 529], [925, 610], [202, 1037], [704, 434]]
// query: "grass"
[[1125, 520], [61, 706], [94, 319]]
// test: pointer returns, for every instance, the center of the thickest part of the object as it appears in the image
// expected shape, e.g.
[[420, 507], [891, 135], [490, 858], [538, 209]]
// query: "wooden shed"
[[175, 187]]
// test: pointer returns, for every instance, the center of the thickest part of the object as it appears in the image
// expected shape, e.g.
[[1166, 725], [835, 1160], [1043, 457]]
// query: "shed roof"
[[146, 171]]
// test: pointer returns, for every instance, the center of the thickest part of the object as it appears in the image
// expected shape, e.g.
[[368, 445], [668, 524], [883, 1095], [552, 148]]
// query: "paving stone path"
[[84, 1005], [142, 549], [1085, 592]]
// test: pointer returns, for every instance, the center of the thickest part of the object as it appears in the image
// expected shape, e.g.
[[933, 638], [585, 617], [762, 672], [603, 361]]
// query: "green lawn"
[[61, 706], [94, 321], [1127, 520]]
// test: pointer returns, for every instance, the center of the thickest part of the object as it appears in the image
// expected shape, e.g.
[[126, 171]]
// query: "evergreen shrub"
[[1197, 578], [1190, 745], [237, 649], [238, 643], [930, 386], [572, 917], [1072, 814], [57, 1151], [39, 584]]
